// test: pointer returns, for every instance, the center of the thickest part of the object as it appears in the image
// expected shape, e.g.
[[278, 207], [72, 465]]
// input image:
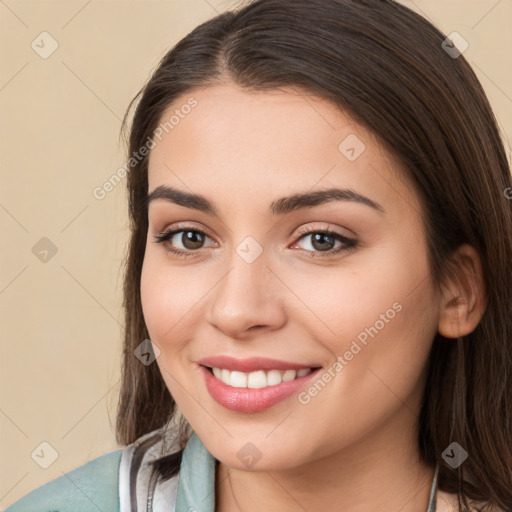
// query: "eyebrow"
[[280, 206]]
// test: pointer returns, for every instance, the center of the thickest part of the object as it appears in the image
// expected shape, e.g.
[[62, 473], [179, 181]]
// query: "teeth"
[[238, 380], [289, 375], [274, 377], [257, 379]]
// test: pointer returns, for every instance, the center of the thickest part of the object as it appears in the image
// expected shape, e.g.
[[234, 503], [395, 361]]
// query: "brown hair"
[[386, 67]]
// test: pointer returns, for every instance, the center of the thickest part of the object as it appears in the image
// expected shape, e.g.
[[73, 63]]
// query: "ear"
[[464, 298]]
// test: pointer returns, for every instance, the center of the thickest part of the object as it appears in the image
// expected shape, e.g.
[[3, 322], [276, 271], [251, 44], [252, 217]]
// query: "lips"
[[252, 364], [245, 396]]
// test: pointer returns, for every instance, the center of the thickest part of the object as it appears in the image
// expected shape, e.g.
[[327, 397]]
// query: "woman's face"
[[264, 292]]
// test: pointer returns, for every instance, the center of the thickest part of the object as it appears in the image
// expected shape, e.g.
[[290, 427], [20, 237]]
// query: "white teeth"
[[274, 377], [238, 380], [289, 375], [257, 379]]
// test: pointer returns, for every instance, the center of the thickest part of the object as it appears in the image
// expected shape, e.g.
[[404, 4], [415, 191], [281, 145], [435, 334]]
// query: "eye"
[[191, 239], [322, 242]]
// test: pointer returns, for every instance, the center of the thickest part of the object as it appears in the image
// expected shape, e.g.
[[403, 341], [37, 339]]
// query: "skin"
[[355, 443]]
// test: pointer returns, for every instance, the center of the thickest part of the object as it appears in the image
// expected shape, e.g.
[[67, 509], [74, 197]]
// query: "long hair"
[[388, 68]]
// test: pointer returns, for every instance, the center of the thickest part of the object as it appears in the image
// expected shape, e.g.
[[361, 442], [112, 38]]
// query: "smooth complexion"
[[354, 446]]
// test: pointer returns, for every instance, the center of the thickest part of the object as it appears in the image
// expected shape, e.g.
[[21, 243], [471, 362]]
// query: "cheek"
[[165, 301], [172, 299], [342, 303], [378, 322], [154, 297], [380, 315]]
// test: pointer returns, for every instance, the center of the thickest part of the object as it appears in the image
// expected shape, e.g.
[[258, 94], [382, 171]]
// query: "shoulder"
[[115, 482], [92, 486]]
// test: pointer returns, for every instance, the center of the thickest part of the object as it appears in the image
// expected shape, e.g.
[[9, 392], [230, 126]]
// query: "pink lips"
[[252, 364], [247, 399]]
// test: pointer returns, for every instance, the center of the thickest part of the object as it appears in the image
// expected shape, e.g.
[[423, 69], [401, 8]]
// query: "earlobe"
[[464, 298]]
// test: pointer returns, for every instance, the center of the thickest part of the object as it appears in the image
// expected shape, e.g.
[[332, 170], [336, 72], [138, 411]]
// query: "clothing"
[[120, 481], [92, 486]]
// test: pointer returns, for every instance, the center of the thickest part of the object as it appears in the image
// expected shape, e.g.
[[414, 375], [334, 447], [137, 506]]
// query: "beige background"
[[60, 117]]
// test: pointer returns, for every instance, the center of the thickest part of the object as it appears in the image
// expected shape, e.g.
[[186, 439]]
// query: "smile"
[[255, 384]]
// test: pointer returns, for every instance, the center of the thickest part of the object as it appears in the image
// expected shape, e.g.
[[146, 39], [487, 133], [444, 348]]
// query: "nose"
[[248, 298]]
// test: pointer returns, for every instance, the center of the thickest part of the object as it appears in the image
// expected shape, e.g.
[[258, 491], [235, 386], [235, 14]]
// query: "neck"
[[382, 471]]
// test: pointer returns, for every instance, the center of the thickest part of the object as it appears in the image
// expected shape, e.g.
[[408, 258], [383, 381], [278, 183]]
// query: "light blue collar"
[[196, 485]]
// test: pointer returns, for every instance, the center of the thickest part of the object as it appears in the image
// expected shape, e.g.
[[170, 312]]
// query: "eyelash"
[[349, 243]]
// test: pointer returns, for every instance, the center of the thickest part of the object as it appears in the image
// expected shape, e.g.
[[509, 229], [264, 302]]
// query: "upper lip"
[[251, 364]]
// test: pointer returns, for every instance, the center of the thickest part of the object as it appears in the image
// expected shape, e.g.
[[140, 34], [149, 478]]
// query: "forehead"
[[230, 117], [282, 140]]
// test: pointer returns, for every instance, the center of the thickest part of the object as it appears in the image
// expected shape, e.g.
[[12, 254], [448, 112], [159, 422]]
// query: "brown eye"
[[190, 239], [322, 242]]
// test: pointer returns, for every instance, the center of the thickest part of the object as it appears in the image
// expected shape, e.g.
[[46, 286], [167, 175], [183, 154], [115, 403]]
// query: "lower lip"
[[248, 399]]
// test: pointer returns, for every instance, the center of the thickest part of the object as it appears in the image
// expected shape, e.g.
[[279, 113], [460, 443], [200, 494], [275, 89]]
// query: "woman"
[[320, 256]]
